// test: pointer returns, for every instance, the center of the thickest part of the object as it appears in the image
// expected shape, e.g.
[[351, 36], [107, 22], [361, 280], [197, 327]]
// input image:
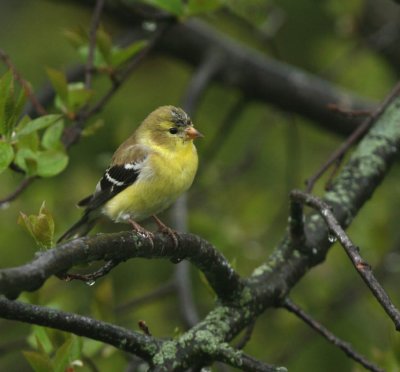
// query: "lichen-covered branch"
[[338, 154], [134, 342], [362, 267], [244, 300], [354, 185], [120, 247], [269, 284]]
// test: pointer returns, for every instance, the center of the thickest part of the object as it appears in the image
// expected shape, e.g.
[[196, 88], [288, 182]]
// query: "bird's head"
[[169, 126]]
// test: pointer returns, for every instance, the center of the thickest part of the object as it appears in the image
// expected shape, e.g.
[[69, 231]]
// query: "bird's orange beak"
[[192, 133]]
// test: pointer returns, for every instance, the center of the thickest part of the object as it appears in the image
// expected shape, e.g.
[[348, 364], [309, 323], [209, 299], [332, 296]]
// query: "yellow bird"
[[148, 172]]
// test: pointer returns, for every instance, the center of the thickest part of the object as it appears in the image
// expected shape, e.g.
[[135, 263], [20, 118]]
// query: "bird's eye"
[[173, 130]]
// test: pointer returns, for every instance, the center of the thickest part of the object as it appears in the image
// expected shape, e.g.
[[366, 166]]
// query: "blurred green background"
[[239, 199]]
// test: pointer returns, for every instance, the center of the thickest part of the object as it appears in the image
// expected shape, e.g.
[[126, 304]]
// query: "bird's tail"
[[80, 228]]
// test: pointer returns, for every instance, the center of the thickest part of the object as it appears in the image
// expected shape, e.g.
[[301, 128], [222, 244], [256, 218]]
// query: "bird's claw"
[[164, 229], [140, 230]]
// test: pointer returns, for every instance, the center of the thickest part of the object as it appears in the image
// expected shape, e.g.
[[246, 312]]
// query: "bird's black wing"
[[116, 178]]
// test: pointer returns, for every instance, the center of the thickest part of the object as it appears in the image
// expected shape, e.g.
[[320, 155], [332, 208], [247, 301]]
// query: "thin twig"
[[46, 93], [349, 113], [224, 130], [324, 332], [124, 339], [91, 278], [39, 109], [27, 89], [200, 80], [336, 167], [245, 362], [191, 99], [118, 80], [246, 336], [353, 138], [223, 279], [73, 133], [92, 42], [164, 290], [19, 190], [89, 363], [362, 267]]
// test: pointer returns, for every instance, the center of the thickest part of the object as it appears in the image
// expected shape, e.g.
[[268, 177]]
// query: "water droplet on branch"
[[332, 238]]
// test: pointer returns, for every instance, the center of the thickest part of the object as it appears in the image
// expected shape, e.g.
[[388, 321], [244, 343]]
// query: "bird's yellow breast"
[[164, 176]]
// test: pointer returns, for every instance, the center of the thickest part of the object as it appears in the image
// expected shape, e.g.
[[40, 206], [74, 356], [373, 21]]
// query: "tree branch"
[[118, 80], [362, 267], [72, 133], [261, 78], [195, 89], [238, 359], [120, 247], [257, 76], [157, 294], [354, 185], [268, 285], [344, 346], [133, 342], [25, 86], [92, 42], [353, 138], [25, 183]]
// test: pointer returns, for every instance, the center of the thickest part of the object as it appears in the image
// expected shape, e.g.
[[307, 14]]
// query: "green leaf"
[[4, 89], [52, 136], [38, 362], [99, 61], [40, 226], [78, 96], [91, 348], [92, 128], [195, 7], [30, 141], [26, 159], [23, 122], [7, 104], [69, 351], [6, 155], [62, 357], [59, 82], [104, 45], [51, 162], [19, 105], [120, 56], [40, 339], [37, 124], [76, 37], [76, 347], [171, 6]]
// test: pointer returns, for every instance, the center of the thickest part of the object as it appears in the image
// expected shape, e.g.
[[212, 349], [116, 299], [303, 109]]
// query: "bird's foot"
[[142, 231], [164, 229]]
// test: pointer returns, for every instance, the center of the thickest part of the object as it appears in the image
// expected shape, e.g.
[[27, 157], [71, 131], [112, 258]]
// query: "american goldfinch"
[[148, 172]]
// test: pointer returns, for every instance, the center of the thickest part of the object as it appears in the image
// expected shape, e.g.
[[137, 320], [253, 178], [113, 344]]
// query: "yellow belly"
[[159, 184]]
